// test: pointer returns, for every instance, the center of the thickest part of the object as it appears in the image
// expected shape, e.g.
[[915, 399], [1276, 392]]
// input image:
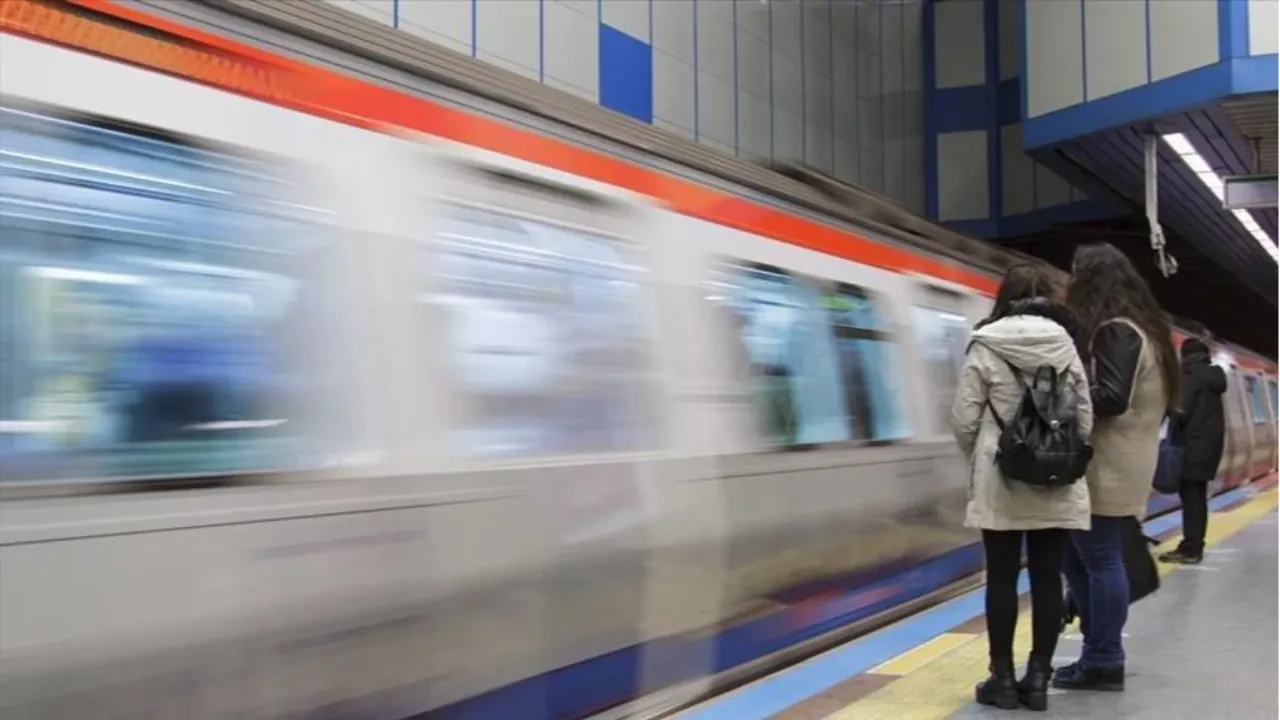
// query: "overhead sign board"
[[1249, 192]]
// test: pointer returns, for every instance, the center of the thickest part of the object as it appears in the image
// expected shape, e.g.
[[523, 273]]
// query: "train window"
[[869, 364], [547, 330], [820, 355], [1275, 407], [1257, 405], [942, 336], [160, 310]]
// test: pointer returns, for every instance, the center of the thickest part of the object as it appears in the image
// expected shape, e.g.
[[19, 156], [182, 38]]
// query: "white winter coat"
[[1027, 342]]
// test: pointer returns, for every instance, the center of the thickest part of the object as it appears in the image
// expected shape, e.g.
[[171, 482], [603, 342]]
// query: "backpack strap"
[[995, 415]]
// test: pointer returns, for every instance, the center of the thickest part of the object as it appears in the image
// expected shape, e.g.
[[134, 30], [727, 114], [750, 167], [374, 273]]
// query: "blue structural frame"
[[991, 107], [1235, 73]]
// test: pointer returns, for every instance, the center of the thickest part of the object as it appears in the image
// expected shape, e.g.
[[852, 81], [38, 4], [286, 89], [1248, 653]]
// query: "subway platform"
[[1204, 646]]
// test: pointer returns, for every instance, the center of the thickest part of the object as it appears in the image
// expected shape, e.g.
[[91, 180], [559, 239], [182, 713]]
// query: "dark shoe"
[[1033, 688], [1001, 688], [1078, 677], [1182, 557]]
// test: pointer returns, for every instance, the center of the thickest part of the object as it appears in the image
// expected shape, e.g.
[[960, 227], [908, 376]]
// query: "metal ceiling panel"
[[1254, 118]]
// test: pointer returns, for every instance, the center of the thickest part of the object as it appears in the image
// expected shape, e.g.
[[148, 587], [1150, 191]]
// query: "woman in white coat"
[[1026, 330]]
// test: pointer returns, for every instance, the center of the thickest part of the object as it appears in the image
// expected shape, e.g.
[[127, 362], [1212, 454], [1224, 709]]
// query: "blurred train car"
[[319, 400]]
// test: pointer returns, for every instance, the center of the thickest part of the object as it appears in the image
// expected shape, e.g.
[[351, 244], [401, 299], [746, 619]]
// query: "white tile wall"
[[1115, 46], [1263, 27], [1054, 55], [444, 22], [960, 60], [834, 83], [962, 175], [1184, 36], [507, 35]]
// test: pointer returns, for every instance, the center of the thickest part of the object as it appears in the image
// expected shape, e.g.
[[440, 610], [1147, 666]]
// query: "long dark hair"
[[1104, 286], [1027, 289]]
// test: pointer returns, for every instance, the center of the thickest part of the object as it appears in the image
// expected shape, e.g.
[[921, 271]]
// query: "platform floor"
[[1204, 646]]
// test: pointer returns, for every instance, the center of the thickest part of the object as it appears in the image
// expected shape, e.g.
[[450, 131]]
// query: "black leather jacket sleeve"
[[1117, 348]]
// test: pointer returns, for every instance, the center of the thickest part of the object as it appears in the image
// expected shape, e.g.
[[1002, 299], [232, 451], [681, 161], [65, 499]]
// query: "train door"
[[942, 323], [1239, 431], [1260, 423], [1275, 422]]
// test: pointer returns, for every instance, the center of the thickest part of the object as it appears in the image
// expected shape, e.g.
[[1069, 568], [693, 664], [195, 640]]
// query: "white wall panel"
[[958, 35], [571, 50], [673, 29], [837, 84], [818, 37], [507, 35], [819, 146], [786, 26], [872, 161], [629, 16], [1055, 58], [753, 64], [588, 8], [1010, 30], [1263, 21], [674, 93], [1184, 36], [444, 22], [788, 136], [846, 160], [716, 110], [1051, 189], [962, 176], [1017, 173], [715, 43], [1115, 46], [788, 83], [380, 10], [754, 125]]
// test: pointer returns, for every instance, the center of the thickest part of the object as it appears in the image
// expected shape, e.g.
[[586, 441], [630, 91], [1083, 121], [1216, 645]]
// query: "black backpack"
[[1041, 445]]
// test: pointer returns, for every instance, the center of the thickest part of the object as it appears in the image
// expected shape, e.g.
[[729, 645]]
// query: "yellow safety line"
[[923, 654], [942, 684]]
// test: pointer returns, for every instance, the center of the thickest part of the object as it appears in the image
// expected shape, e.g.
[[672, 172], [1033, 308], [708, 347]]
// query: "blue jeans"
[[1095, 573]]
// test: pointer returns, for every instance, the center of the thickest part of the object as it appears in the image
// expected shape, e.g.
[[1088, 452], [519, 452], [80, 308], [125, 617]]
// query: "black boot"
[[1033, 688], [1001, 688]]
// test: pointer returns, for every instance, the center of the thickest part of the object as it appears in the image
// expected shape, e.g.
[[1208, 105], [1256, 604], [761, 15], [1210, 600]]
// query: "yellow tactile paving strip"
[[936, 679]]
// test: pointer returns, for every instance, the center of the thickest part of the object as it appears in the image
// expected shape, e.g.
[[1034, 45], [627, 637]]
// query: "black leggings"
[[1044, 565]]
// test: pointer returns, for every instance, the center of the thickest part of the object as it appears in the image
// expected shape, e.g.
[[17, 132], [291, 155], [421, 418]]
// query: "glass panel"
[[1257, 406], [159, 311], [823, 366], [1275, 407], [869, 365], [547, 336], [943, 337]]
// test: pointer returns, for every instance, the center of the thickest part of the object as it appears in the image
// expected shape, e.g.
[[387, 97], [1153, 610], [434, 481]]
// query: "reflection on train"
[[521, 444], [163, 306]]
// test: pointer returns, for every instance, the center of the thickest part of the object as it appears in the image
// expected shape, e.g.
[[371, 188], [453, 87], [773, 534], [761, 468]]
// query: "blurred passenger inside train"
[[1125, 340], [1203, 426], [1025, 332]]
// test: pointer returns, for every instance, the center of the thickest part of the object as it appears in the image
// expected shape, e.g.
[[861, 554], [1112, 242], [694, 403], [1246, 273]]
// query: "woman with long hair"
[[1125, 339], [1025, 333]]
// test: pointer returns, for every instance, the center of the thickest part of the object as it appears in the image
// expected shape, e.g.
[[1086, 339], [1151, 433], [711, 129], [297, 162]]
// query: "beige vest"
[[1125, 447]]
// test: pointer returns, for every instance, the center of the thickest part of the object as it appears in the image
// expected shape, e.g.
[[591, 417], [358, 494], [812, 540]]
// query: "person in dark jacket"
[[1203, 426]]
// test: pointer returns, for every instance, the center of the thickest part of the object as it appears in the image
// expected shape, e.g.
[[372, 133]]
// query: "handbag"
[[1168, 477]]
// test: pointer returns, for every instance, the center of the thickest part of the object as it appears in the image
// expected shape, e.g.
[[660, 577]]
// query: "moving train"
[[324, 400]]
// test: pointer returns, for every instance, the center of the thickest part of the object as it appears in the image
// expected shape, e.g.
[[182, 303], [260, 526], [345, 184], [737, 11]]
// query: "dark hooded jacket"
[[1203, 420]]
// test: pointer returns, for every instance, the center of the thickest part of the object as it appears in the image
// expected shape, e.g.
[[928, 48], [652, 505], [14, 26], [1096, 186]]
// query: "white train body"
[[484, 476]]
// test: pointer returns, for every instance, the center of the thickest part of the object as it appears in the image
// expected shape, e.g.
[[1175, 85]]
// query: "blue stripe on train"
[[598, 683], [590, 686]]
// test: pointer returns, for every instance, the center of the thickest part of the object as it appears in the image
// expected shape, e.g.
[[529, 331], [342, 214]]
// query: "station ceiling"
[[1202, 290]]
